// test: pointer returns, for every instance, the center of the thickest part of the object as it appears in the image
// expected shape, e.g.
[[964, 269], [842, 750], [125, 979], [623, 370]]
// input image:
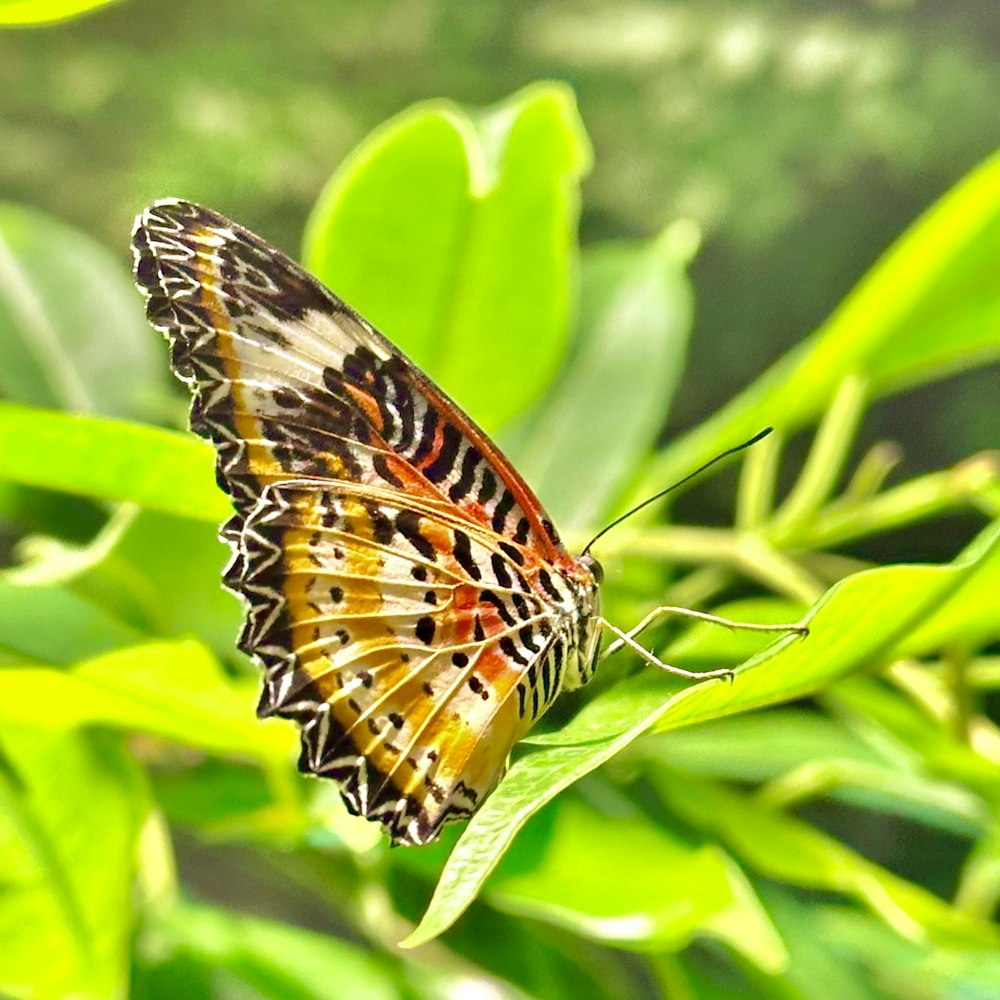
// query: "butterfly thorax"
[[580, 619]]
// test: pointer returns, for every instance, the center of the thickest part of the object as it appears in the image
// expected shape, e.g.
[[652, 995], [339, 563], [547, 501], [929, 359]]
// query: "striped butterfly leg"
[[628, 638]]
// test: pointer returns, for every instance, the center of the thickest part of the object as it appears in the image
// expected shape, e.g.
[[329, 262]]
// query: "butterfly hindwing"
[[396, 636]]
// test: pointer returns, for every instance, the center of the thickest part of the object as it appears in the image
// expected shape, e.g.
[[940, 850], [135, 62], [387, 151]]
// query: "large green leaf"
[[455, 235], [111, 460], [785, 848], [858, 621], [54, 625], [806, 754], [640, 888], [42, 11], [928, 308], [584, 439], [71, 805], [279, 961], [72, 332], [176, 690]]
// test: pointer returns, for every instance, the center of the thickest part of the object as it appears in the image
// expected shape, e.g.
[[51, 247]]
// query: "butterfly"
[[407, 597]]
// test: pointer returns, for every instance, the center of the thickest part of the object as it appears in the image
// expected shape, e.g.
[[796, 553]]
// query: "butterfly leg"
[[625, 639], [664, 610]]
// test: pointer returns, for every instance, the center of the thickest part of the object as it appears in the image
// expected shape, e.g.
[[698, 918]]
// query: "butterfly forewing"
[[407, 596]]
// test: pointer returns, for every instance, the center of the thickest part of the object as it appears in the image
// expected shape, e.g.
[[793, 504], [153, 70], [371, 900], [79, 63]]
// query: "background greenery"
[[734, 170]]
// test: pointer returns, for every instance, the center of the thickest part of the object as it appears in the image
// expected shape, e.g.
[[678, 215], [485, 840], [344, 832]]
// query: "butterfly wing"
[[395, 654], [408, 598], [288, 381]]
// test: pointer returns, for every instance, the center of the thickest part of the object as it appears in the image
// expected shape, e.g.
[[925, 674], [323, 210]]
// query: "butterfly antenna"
[[680, 482]]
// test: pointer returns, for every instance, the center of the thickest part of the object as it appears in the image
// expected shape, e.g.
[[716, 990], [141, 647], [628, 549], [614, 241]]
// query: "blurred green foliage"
[[155, 837]]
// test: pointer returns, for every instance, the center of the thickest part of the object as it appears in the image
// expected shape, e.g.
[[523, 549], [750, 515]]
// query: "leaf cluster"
[[628, 851]]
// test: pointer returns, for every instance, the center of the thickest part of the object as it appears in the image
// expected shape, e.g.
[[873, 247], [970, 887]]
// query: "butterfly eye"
[[596, 569]]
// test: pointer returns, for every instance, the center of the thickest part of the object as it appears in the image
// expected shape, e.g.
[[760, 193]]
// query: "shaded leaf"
[[72, 331], [54, 625], [908, 969], [165, 577], [640, 888], [580, 443], [280, 961], [929, 308], [783, 847]]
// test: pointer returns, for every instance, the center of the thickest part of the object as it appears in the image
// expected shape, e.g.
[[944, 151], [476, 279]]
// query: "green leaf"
[[784, 848], [807, 755], [707, 645], [665, 892], [455, 236], [930, 307], [967, 620], [817, 970], [54, 625], [887, 711], [110, 460], [42, 11], [760, 745], [71, 805], [279, 961], [907, 968], [165, 577], [45, 561], [176, 690], [219, 797], [72, 332], [858, 621], [584, 439]]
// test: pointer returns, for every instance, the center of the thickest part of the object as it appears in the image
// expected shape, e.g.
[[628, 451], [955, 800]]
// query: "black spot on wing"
[[425, 630]]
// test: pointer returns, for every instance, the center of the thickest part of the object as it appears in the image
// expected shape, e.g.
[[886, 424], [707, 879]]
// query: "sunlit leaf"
[[41, 11], [110, 460], [854, 624], [455, 235], [176, 690], [71, 805]]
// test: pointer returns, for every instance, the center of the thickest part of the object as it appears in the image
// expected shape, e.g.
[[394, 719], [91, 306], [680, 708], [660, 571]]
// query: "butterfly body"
[[408, 599]]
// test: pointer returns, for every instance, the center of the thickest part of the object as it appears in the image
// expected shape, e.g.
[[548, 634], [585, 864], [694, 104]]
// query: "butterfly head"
[[587, 577]]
